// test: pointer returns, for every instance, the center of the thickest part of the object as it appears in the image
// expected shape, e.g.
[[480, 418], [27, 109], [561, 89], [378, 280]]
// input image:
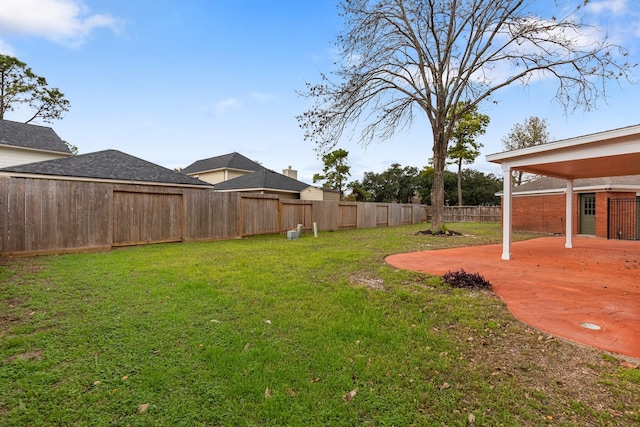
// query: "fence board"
[[259, 215], [146, 218], [347, 215], [47, 216], [294, 212], [382, 215], [210, 215], [326, 215]]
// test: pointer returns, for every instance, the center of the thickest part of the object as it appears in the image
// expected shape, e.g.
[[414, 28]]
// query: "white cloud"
[[262, 97], [615, 6], [5, 49], [226, 105], [63, 21]]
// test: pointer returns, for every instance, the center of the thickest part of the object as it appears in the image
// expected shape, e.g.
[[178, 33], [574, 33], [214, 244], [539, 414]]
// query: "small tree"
[[531, 132], [396, 184], [19, 86], [465, 148], [335, 171], [479, 189], [358, 193]]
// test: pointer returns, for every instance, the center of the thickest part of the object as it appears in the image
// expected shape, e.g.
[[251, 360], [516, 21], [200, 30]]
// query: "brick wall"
[[542, 213], [546, 213]]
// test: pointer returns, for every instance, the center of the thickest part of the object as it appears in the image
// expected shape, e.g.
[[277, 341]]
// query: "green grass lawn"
[[267, 331]]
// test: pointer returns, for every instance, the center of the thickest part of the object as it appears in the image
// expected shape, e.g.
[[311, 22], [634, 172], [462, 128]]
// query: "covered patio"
[[605, 154]]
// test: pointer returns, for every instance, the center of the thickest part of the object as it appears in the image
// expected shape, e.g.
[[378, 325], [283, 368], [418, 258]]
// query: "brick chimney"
[[291, 173]]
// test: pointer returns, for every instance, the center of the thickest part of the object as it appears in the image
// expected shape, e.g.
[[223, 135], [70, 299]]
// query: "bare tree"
[[404, 58], [531, 132]]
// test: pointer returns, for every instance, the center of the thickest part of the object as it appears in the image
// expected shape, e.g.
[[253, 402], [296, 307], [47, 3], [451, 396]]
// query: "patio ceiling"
[[605, 154]]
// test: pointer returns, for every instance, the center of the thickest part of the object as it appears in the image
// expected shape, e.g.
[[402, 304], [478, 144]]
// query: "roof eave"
[[39, 150], [217, 170], [98, 180], [278, 190]]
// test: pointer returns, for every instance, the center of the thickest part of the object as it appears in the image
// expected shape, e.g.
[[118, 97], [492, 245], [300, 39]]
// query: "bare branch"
[[404, 58]]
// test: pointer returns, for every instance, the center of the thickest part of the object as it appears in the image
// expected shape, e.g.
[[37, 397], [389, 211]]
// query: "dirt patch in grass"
[[373, 283], [30, 355]]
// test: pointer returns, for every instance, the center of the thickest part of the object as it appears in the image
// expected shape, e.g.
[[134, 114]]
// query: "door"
[[588, 213]]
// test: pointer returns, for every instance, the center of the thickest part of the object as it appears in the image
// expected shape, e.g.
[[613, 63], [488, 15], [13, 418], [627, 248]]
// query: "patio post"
[[506, 212], [569, 214]]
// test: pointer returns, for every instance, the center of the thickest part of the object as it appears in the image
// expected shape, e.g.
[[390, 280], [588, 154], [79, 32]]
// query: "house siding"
[[217, 176], [311, 193], [19, 156], [315, 193]]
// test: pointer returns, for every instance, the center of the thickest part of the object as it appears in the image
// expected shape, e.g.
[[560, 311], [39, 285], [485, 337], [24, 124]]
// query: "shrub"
[[462, 279]]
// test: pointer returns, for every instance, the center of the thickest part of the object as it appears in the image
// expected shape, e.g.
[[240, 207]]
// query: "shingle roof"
[[227, 161], [549, 183], [107, 164], [31, 136], [264, 179]]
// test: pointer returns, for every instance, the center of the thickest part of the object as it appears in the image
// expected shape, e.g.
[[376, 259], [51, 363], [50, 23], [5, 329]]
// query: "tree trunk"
[[437, 193], [460, 182]]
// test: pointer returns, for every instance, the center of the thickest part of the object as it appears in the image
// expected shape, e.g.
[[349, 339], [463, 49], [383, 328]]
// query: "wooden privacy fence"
[[39, 216], [472, 214]]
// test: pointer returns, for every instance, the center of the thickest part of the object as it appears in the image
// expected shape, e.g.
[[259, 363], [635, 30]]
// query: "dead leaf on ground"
[[314, 380], [246, 347], [142, 407], [445, 386], [291, 393], [628, 365], [347, 397], [267, 393], [471, 420]]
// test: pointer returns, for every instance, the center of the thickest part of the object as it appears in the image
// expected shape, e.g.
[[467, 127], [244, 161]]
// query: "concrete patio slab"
[[589, 293]]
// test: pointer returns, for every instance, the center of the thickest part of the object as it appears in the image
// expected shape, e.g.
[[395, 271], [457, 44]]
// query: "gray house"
[[222, 168], [234, 172]]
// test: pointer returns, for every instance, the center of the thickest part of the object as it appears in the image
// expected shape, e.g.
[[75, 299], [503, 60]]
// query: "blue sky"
[[174, 81]]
